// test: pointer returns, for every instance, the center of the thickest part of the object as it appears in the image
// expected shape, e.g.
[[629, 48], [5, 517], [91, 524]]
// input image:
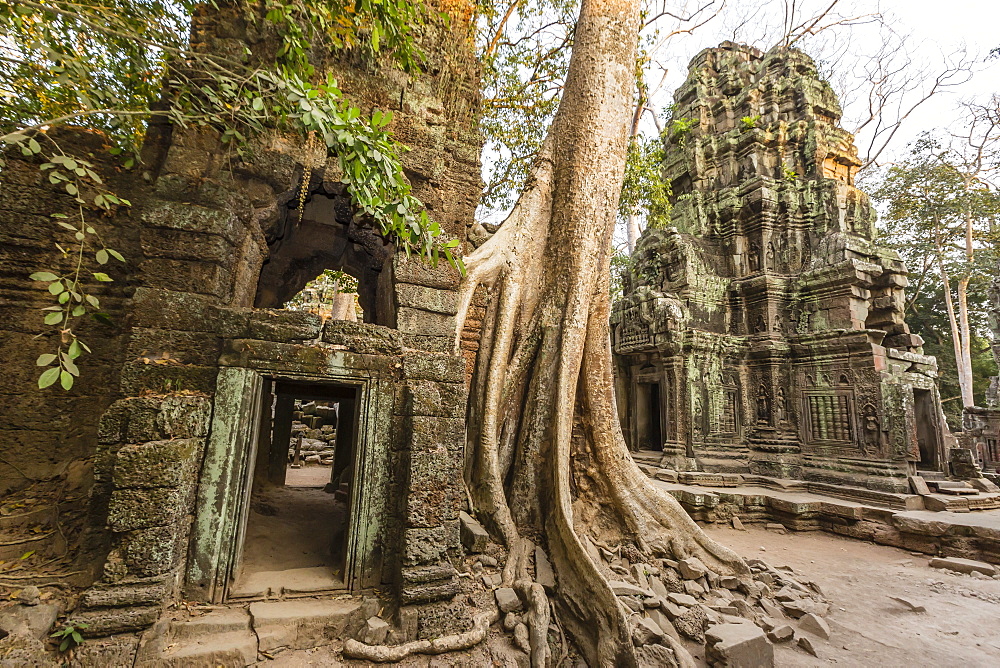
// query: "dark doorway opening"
[[928, 430], [295, 537], [649, 430]]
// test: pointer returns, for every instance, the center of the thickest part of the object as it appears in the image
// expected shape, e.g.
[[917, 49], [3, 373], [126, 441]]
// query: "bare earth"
[[960, 628]]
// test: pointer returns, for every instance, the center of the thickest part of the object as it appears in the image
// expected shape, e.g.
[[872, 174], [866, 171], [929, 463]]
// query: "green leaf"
[[66, 380], [43, 276], [53, 318], [115, 254], [69, 365], [33, 145], [56, 287], [74, 350], [48, 377], [258, 104], [46, 359], [102, 256], [78, 311], [102, 277], [93, 301], [72, 189]]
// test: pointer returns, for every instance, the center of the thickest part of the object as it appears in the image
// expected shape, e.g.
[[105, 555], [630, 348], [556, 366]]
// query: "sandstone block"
[[691, 568], [474, 537], [816, 625], [966, 566], [507, 600], [158, 463], [738, 646], [646, 632], [544, 575]]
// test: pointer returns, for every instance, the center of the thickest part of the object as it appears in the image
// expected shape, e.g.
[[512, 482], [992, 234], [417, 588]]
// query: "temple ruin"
[[763, 332]]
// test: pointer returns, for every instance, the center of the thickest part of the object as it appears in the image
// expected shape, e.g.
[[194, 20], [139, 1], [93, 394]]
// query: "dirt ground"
[[961, 626]]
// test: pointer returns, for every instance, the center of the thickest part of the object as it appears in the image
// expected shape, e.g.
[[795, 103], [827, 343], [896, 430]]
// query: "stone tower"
[[764, 330]]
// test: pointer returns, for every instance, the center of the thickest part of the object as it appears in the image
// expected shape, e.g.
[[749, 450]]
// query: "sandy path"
[[960, 628]]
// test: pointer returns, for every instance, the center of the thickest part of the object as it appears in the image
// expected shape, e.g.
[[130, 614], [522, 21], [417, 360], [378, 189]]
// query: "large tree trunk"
[[547, 460]]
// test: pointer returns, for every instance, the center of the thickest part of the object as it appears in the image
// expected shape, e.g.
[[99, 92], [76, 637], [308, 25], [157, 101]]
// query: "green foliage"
[[112, 64], [69, 635], [790, 174], [524, 48], [321, 290], [644, 192], [621, 262], [750, 122], [680, 128], [84, 249]]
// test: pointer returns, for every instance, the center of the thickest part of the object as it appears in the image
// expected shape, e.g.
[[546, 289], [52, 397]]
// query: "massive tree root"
[[542, 414]]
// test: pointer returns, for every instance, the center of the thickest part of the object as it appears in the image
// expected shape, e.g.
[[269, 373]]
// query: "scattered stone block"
[[738, 646], [691, 568], [663, 622], [507, 599], [910, 605], [919, 485], [966, 566], [775, 527], [693, 588], [33, 620], [771, 609], [474, 536], [816, 625], [375, 631], [807, 645], [639, 573], [729, 582], [646, 632], [633, 604], [544, 575], [983, 485], [683, 600], [782, 633], [737, 524], [621, 588]]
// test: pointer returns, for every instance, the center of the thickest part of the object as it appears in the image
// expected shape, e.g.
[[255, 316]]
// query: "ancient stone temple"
[[763, 330], [175, 443]]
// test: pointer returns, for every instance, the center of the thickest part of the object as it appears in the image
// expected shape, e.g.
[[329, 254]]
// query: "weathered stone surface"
[[646, 632], [621, 588], [301, 624], [815, 624], [691, 623], [544, 575], [967, 566], [362, 338], [375, 631], [682, 599], [172, 463], [144, 508], [781, 633], [507, 600], [427, 299], [110, 621], [738, 646], [34, 620], [124, 594], [474, 537]]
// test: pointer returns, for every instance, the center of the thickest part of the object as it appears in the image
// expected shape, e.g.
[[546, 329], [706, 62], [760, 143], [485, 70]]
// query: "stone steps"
[[234, 649], [222, 637], [305, 623]]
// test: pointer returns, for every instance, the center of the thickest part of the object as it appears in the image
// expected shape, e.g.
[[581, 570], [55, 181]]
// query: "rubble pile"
[[316, 425]]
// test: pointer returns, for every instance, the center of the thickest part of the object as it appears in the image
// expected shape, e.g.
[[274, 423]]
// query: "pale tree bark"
[[546, 453], [957, 330]]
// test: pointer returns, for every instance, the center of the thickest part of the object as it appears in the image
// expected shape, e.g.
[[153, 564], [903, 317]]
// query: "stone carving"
[[768, 226]]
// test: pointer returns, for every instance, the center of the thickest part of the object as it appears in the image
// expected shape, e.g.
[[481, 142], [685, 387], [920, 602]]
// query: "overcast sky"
[[935, 29]]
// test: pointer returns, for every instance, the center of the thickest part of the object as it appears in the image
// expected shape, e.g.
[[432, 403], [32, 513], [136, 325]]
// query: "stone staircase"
[[232, 636]]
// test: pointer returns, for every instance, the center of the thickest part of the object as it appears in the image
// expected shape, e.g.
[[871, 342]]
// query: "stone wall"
[[199, 236], [42, 433]]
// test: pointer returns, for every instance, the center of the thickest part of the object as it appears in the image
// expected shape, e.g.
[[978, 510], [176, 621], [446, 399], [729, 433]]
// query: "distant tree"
[[941, 212]]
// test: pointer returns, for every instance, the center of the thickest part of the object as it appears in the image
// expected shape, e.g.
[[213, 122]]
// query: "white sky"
[[936, 28]]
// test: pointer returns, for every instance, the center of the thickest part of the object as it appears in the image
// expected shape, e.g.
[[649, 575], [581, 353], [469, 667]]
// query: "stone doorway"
[[649, 416], [260, 532], [928, 427], [296, 523]]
